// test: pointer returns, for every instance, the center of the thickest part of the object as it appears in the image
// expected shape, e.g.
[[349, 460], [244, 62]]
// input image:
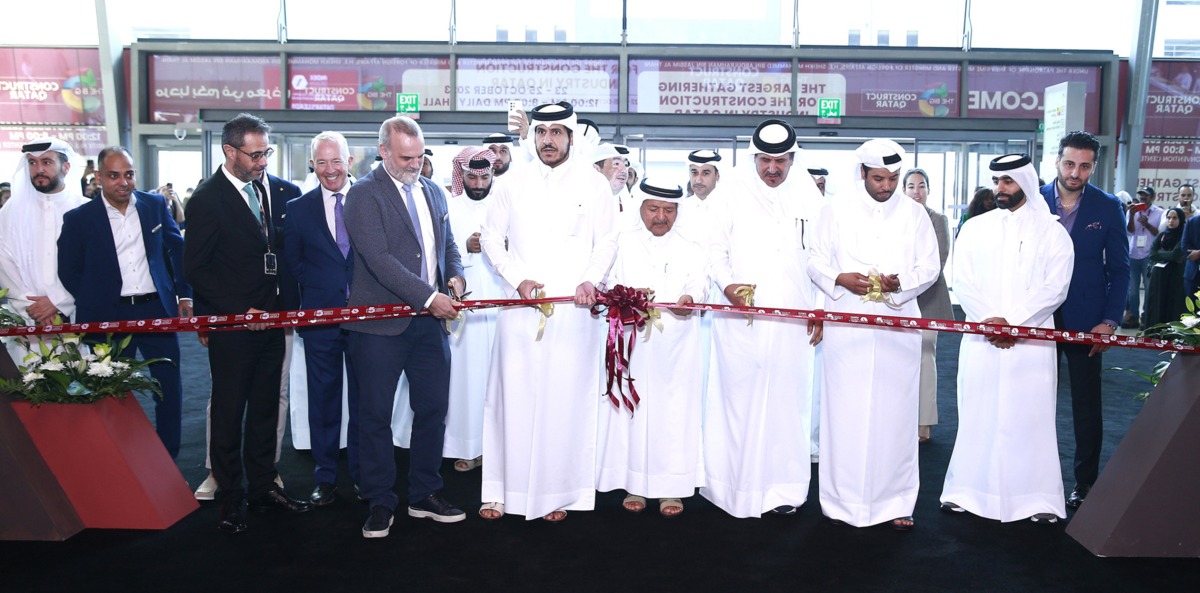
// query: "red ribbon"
[[312, 317], [622, 306]]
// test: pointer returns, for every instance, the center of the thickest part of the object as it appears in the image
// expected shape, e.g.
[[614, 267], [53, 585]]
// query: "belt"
[[139, 299]]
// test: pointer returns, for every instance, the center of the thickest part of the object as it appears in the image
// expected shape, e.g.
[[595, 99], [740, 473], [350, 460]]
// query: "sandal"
[[670, 507], [466, 465], [492, 507], [903, 523], [634, 503], [556, 516]]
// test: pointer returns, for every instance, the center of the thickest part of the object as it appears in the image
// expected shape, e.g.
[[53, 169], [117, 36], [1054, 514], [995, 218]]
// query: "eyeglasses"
[[254, 156]]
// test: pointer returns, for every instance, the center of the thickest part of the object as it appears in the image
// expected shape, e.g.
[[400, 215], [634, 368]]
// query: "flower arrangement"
[[7, 317], [1184, 331], [65, 370]]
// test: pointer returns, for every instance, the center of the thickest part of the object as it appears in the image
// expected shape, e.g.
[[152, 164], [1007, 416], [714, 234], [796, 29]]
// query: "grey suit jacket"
[[387, 257], [935, 301]]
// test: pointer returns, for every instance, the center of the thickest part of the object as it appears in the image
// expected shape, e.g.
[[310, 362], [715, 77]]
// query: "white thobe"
[[1005, 465], [470, 343], [870, 375], [655, 451], [29, 254], [539, 425], [759, 388]]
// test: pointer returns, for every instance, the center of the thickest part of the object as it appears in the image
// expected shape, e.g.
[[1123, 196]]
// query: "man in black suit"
[[404, 252], [232, 258], [318, 255], [121, 257]]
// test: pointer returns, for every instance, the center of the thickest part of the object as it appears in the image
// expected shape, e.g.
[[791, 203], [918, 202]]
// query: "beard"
[[477, 194], [1010, 201]]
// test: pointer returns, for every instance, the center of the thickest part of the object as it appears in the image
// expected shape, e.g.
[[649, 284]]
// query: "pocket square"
[[155, 229], [1095, 226]]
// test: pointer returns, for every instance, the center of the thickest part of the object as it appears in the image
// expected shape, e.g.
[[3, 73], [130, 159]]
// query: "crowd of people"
[[733, 405]]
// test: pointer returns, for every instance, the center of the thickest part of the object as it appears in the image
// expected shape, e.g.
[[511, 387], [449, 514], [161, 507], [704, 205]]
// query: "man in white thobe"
[[29, 226], [612, 161], [653, 451], [758, 411], [703, 177], [471, 342], [548, 231], [1012, 266], [873, 252]]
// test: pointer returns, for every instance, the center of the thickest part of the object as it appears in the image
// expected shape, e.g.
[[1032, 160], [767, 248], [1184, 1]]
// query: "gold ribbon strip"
[[547, 309], [746, 293]]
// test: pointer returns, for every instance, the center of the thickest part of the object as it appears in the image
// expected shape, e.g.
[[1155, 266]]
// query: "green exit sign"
[[408, 103], [829, 108]]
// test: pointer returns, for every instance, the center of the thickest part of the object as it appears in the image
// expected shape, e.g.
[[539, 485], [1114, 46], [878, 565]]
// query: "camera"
[[180, 133]]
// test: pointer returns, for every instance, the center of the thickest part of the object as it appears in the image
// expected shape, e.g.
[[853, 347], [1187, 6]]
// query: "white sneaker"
[[207, 489]]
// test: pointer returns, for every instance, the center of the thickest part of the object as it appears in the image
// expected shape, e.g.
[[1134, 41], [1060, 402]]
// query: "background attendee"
[[934, 304], [1164, 294], [1142, 225], [1096, 299], [982, 201]]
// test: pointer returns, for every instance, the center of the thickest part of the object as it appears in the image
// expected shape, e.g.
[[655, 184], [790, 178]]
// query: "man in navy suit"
[[121, 257], [232, 258], [404, 252], [1096, 297], [318, 254], [1191, 247]]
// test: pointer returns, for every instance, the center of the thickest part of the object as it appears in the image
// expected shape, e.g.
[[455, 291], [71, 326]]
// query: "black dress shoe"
[[278, 500], [230, 518], [1078, 495], [323, 494]]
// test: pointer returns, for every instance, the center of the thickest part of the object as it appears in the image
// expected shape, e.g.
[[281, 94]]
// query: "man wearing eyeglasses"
[[233, 259]]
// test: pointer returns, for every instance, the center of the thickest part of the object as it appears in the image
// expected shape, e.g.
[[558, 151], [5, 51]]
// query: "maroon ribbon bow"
[[622, 306]]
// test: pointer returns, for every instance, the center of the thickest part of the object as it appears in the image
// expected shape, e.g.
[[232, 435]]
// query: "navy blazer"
[[87, 257], [387, 258], [224, 247], [1101, 278], [322, 273], [1190, 242]]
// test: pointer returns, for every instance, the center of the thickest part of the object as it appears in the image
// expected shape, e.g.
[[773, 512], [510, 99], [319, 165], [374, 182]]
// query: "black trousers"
[[1086, 409], [246, 367]]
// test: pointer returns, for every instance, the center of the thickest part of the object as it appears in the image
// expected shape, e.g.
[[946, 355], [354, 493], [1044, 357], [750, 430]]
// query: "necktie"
[[412, 214], [339, 224], [255, 205]]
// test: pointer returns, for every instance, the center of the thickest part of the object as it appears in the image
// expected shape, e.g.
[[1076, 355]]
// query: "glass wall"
[[1014, 24]]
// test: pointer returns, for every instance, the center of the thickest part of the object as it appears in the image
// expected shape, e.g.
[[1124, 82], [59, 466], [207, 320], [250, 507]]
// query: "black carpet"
[[606, 550]]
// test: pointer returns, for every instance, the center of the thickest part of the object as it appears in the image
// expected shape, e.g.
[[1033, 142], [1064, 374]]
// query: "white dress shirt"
[[131, 249]]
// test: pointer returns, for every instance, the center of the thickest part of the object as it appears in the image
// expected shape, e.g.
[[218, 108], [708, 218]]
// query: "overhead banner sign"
[[879, 89], [703, 86], [179, 86], [85, 140], [1173, 100], [52, 86], [1016, 91], [366, 83], [488, 84], [1168, 164]]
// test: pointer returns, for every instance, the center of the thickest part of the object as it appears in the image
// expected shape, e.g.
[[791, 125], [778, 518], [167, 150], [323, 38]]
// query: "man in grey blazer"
[[404, 252]]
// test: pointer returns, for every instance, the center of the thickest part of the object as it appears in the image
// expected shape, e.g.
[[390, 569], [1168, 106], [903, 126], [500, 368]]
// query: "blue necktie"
[[412, 214], [339, 225]]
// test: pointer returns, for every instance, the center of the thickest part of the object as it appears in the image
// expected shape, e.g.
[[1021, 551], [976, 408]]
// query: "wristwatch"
[[1111, 326]]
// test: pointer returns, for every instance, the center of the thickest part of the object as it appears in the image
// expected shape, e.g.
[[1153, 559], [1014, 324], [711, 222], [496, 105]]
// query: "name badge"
[[270, 264], [1140, 241]]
